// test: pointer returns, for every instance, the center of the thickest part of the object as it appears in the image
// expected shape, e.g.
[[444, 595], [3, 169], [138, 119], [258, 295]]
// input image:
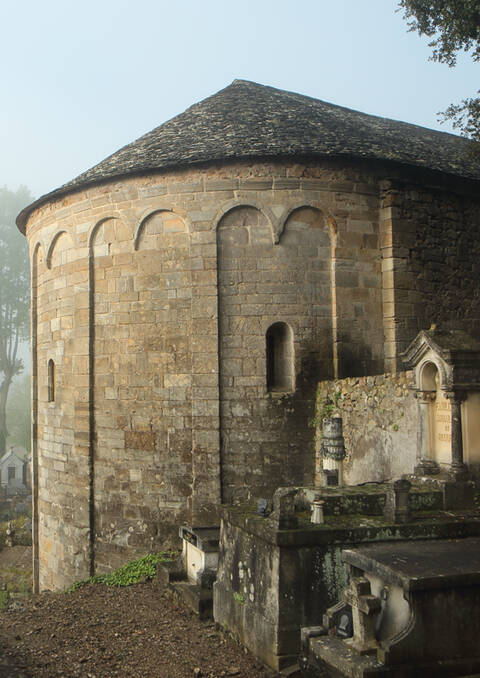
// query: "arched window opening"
[[280, 362], [430, 377], [51, 381]]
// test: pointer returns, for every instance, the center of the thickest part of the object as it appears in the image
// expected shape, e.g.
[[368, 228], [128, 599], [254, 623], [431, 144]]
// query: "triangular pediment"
[[449, 345]]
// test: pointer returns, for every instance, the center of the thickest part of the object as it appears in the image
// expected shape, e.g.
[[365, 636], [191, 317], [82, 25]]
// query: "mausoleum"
[[190, 291]]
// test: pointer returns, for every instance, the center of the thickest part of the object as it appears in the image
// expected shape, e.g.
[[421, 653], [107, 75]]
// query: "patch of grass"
[[142, 569]]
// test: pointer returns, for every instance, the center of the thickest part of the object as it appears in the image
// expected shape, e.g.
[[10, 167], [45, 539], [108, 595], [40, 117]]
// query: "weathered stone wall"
[[60, 334], [262, 283], [142, 401], [153, 296], [126, 290], [433, 257], [380, 425]]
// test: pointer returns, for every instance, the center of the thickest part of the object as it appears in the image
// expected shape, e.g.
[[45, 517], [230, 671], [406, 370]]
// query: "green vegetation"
[[453, 26], [239, 597], [14, 297], [325, 409], [4, 598], [22, 531], [134, 572], [18, 413], [16, 581]]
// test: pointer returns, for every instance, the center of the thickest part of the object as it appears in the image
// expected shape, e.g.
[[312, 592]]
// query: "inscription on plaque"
[[442, 428], [443, 420]]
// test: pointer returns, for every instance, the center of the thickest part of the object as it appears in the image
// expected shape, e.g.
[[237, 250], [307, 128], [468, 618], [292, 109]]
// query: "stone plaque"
[[442, 429]]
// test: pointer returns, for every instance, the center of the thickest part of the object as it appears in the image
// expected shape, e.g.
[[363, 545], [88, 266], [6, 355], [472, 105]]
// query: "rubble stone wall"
[[433, 253], [380, 424]]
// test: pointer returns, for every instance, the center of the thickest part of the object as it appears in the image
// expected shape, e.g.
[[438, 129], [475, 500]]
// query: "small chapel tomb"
[[446, 367]]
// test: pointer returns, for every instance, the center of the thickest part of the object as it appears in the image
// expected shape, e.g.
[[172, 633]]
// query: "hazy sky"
[[81, 79]]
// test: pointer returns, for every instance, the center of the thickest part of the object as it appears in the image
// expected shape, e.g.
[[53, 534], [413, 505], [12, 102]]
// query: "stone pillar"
[[206, 481], [425, 465], [396, 506], [317, 516], [283, 515], [458, 468], [396, 236]]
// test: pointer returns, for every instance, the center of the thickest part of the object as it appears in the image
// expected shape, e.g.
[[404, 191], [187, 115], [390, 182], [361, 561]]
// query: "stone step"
[[170, 572], [198, 599]]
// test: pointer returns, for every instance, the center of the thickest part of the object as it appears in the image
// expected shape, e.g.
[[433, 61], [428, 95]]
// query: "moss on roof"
[[248, 120]]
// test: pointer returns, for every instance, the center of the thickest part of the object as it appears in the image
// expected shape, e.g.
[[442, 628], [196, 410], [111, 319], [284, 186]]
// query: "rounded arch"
[[329, 224], [233, 205], [151, 213], [52, 246], [98, 225], [427, 373], [37, 250], [280, 357]]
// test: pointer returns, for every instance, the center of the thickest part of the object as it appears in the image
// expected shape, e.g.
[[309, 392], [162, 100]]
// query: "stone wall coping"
[[316, 535]]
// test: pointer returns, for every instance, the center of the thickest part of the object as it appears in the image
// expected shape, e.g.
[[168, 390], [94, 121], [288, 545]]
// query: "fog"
[[81, 80]]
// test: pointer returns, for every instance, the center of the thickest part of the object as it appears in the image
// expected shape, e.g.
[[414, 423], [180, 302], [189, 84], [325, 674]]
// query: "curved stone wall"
[[153, 296]]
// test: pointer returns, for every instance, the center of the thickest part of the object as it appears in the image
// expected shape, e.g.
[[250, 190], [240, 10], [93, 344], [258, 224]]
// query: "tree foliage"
[[454, 26], [18, 413], [14, 296]]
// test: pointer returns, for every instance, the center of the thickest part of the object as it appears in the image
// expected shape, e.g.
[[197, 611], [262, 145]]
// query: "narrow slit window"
[[51, 381], [280, 359]]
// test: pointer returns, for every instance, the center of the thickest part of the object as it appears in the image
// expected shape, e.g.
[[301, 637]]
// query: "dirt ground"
[[101, 632]]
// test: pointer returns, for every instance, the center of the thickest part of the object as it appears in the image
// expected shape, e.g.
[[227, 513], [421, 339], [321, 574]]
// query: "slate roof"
[[248, 120]]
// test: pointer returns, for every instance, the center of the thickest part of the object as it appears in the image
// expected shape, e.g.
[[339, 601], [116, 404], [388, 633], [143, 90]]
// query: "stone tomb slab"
[[420, 565], [430, 597]]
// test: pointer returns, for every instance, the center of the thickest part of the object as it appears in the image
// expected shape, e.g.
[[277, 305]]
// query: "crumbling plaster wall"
[[380, 425]]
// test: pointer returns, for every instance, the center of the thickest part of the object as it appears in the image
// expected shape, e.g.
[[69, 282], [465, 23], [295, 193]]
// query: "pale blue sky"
[[81, 79]]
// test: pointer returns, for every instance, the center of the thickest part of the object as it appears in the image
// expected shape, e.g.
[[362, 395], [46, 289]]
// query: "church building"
[[191, 290]]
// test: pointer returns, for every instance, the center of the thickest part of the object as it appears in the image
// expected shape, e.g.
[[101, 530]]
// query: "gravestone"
[[200, 554], [415, 611]]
